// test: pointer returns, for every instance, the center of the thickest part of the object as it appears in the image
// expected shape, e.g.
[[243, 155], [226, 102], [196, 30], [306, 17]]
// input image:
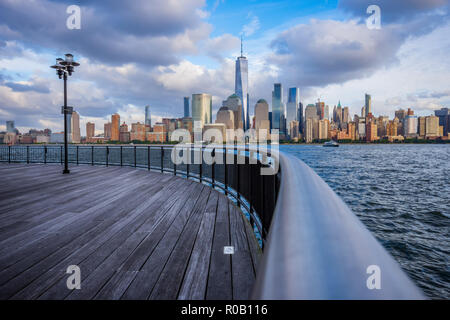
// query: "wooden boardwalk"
[[134, 234]]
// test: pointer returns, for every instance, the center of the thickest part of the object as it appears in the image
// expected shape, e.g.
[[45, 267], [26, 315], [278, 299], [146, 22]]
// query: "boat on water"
[[331, 143]]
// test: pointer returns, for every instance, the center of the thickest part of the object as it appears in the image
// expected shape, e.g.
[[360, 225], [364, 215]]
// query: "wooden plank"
[[80, 248], [241, 262], [116, 286], [196, 275], [104, 271], [95, 276], [134, 234], [219, 277], [65, 226], [172, 275], [143, 284], [86, 243], [255, 249], [180, 211]]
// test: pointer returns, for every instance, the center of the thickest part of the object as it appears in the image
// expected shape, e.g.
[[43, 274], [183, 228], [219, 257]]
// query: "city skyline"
[[315, 125], [108, 82]]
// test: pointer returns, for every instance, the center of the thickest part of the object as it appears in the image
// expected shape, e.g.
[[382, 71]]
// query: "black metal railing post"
[[225, 170], [28, 154], [107, 155], [250, 187], [61, 154], [213, 167], [148, 157], [238, 182], [9, 154], [135, 164], [261, 195], [201, 165], [45, 154], [78, 161], [162, 159], [187, 164], [92, 155], [121, 158], [174, 169]]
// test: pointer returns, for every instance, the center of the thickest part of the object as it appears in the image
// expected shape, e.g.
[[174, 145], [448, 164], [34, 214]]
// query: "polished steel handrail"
[[318, 249]]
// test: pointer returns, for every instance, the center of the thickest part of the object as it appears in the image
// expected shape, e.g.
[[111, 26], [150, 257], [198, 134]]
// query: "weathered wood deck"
[[134, 234]]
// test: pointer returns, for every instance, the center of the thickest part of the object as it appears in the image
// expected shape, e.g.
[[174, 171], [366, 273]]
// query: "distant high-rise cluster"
[[292, 120]]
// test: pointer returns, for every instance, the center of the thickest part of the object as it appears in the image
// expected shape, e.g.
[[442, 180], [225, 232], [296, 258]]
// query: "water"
[[402, 194]]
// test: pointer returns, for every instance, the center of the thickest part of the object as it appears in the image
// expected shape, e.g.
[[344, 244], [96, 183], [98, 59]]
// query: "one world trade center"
[[241, 87]]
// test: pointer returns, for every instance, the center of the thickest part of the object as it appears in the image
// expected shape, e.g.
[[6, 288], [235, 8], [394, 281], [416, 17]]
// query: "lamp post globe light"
[[63, 69]]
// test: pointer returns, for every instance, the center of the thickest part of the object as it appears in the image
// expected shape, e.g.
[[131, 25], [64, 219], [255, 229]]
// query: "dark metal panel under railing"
[[314, 246]]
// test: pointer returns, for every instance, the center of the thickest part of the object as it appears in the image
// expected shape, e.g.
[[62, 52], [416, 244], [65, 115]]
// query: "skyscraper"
[[309, 129], [339, 115], [411, 124], [300, 117], [186, 107], [311, 112], [277, 107], [69, 127], [324, 127], [241, 87], [368, 104], [115, 124], [90, 131], [225, 116], [262, 121], [202, 108], [107, 130], [320, 109], [234, 104], [10, 126], [76, 135], [431, 126], [148, 117], [421, 127], [345, 115], [292, 106], [443, 116]]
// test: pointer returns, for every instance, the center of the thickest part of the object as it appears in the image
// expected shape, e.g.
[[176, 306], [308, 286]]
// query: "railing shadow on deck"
[[314, 246]]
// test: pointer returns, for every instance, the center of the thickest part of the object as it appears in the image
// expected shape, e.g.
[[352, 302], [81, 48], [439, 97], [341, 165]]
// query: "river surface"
[[402, 194]]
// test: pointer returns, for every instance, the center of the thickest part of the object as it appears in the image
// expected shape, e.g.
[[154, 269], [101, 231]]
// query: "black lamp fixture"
[[64, 68]]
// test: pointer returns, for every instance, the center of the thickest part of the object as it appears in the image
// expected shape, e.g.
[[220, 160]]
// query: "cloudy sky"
[[156, 52]]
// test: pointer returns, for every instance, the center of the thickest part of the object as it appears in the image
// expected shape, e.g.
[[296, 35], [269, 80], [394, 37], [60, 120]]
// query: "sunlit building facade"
[[202, 108], [115, 127]]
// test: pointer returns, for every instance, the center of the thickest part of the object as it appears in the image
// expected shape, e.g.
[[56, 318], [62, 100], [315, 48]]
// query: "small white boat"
[[331, 143]]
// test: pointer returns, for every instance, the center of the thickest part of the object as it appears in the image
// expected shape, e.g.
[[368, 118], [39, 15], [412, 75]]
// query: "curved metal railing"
[[318, 249], [314, 245]]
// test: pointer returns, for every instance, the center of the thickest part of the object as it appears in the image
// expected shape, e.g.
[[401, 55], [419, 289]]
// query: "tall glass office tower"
[[292, 105], [277, 107], [10, 126], [368, 104], [186, 107], [202, 108], [148, 117], [241, 87]]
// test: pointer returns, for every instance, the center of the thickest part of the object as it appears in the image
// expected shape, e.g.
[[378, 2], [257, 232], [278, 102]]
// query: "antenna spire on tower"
[[241, 47]]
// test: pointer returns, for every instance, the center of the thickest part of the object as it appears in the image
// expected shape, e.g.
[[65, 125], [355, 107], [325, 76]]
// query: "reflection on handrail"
[[318, 249]]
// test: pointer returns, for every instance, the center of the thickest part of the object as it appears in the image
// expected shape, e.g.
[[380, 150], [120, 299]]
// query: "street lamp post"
[[63, 69]]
